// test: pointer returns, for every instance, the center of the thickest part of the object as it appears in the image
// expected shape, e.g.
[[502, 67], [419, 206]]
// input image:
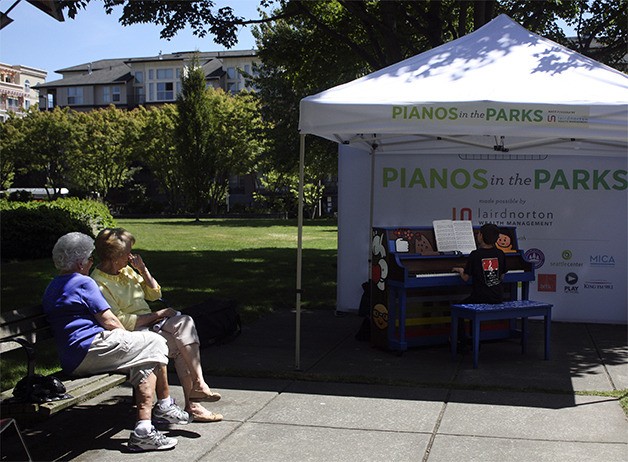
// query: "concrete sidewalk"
[[352, 402]]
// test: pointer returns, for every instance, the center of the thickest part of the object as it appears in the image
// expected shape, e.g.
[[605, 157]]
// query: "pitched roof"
[[120, 73], [118, 70]]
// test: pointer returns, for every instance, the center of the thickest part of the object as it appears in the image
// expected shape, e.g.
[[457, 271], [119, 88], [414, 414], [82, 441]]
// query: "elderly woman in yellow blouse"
[[126, 284]]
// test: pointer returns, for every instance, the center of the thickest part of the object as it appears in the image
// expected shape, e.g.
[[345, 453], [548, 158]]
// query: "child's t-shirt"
[[486, 267]]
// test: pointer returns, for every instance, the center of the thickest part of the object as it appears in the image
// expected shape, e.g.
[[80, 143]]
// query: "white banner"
[[570, 213]]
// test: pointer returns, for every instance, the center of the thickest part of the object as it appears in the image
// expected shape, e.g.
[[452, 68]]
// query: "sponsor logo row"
[[571, 283], [537, 257]]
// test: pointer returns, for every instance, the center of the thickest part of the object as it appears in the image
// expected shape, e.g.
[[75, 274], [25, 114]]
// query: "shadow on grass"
[[261, 280]]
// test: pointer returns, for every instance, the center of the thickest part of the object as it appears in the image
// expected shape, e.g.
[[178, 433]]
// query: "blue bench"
[[477, 313]]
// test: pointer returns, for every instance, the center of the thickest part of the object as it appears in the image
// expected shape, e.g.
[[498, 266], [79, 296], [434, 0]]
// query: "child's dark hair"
[[490, 233]]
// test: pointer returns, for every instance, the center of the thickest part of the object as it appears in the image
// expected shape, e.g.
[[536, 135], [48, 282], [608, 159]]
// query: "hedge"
[[30, 229]]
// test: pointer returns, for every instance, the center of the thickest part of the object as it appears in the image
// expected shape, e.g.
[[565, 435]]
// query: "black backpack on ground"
[[217, 321]]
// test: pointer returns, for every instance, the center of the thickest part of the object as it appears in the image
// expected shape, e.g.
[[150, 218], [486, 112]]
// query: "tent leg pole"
[[297, 353], [371, 201]]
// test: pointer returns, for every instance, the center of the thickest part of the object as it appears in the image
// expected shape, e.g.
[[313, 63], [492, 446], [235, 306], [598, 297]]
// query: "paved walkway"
[[352, 402]]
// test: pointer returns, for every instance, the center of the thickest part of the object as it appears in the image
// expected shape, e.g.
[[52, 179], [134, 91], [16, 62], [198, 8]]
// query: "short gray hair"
[[70, 249]]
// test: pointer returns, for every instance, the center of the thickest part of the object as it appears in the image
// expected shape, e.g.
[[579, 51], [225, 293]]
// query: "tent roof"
[[500, 80]]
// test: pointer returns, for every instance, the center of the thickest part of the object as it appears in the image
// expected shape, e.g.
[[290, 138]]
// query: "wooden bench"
[[27, 329], [507, 310]]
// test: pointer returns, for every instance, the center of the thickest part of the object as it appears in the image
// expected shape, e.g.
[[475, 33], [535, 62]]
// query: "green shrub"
[[30, 229]]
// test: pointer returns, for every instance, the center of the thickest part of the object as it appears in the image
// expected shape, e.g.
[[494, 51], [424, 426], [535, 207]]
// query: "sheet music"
[[452, 235]]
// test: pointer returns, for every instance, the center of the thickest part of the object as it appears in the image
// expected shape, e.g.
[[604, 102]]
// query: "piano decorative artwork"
[[413, 286]]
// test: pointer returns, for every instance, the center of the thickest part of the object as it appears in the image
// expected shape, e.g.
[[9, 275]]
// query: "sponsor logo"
[[546, 283], [605, 261], [566, 256], [536, 257], [598, 284], [571, 279]]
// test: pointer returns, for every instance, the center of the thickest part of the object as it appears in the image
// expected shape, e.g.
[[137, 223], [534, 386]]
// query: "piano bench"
[[477, 312]]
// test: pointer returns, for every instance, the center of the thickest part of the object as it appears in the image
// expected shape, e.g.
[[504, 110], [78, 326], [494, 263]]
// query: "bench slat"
[[81, 389]]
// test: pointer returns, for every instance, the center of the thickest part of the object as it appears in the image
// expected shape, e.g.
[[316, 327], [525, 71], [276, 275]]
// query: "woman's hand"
[[166, 313], [137, 263]]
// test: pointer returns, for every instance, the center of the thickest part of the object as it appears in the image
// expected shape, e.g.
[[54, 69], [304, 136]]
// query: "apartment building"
[[130, 82], [18, 90]]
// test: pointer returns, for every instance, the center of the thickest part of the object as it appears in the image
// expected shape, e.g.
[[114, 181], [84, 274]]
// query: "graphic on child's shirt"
[[491, 271]]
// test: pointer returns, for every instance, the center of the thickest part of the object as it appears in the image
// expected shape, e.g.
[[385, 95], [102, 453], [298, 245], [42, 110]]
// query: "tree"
[[12, 137], [194, 139], [108, 140], [47, 142], [217, 135], [158, 150]]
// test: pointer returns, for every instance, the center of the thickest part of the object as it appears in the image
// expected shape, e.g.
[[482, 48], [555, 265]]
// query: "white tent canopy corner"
[[500, 89]]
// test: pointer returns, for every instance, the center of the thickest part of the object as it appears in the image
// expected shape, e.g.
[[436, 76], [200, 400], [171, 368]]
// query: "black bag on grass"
[[217, 321]]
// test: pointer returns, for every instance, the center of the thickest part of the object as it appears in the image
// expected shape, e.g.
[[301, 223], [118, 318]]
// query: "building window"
[[164, 74], [27, 86], [75, 95], [27, 104], [165, 91], [139, 76], [13, 104], [140, 95], [231, 73], [111, 94], [151, 74]]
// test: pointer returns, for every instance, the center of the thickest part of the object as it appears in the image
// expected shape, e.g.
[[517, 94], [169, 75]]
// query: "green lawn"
[[251, 261]]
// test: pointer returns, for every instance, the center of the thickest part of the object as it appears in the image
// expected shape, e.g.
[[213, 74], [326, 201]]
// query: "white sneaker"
[[154, 441], [172, 414]]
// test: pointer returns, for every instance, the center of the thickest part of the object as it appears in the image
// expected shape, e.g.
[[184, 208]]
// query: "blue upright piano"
[[413, 286]]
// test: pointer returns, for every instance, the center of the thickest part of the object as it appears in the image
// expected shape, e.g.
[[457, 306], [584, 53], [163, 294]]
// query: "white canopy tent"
[[499, 88]]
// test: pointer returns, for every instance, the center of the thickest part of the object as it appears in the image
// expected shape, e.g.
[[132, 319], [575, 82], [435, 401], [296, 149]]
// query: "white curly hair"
[[70, 249]]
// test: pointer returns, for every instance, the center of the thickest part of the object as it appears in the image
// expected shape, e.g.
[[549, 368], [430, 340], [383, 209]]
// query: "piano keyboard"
[[452, 273]]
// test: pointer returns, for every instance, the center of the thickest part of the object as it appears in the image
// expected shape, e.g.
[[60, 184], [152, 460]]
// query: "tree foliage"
[[158, 151], [11, 138], [108, 142], [217, 135], [196, 156], [384, 32], [44, 142]]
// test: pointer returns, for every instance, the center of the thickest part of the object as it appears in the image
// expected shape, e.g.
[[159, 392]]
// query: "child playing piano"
[[486, 266]]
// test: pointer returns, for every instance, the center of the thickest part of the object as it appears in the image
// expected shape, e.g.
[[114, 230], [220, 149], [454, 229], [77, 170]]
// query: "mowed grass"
[[252, 261]]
